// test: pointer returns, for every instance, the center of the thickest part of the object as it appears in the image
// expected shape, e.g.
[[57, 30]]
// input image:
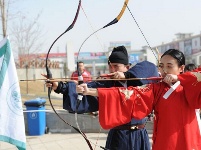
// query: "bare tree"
[[27, 38], [4, 15], [27, 35]]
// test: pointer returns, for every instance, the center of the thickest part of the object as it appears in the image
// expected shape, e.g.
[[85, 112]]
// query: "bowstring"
[[144, 37], [101, 45], [92, 28]]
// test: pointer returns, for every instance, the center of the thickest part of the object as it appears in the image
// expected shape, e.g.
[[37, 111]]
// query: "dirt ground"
[[36, 89]]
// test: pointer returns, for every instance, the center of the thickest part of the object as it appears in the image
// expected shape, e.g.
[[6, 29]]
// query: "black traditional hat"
[[119, 55]]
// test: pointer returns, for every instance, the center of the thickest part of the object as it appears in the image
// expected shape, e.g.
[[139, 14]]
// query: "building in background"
[[69, 64], [113, 44], [97, 62], [188, 43]]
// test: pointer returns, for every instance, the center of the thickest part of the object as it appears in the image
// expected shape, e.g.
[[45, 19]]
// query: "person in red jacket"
[[85, 74]]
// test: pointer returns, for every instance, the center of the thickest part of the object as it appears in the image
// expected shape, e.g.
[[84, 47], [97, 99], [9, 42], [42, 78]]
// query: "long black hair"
[[178, 55]]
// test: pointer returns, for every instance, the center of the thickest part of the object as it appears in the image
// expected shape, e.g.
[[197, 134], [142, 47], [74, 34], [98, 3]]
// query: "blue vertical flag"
[[12, 129]]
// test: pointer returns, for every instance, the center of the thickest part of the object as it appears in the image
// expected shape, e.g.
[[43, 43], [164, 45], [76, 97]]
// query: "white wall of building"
[[181, 46], [70, 56], [196, 45], [151, 57]]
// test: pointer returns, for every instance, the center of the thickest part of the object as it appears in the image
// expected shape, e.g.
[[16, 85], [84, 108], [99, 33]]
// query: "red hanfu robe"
[[175, 124]]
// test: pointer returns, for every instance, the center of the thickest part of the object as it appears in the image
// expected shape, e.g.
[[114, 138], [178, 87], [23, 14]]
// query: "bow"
[[107, 25], [143, 34], [157, 59], [49, 74], [80, 78]]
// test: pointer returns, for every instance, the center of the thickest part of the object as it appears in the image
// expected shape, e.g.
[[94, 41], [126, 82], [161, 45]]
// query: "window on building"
[[200, 60], [195, 43]]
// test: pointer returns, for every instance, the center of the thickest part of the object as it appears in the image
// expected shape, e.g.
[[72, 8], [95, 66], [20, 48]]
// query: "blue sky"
[[159, 20]]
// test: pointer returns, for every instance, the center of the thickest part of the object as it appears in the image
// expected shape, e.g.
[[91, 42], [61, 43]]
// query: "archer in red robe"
[[175, 123]]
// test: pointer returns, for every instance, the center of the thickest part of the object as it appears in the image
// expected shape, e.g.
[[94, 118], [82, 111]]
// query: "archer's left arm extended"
[[191, 82], [144, 69]]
